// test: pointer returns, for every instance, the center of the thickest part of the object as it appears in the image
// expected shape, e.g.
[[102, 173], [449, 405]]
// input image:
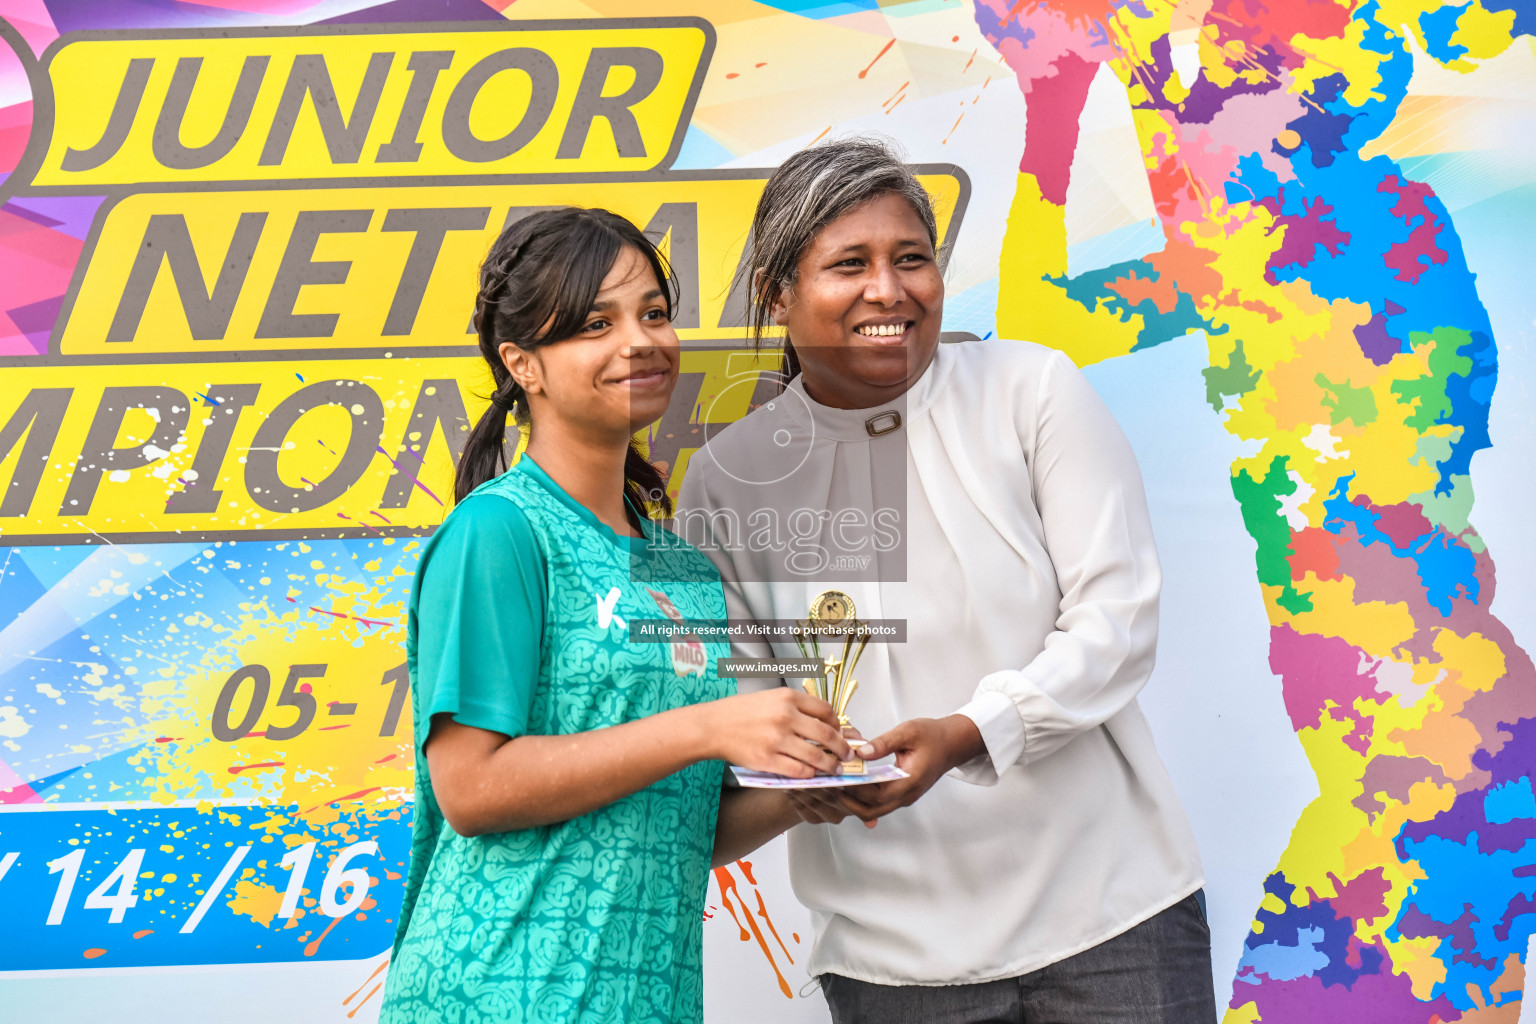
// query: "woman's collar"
[[876, 421]]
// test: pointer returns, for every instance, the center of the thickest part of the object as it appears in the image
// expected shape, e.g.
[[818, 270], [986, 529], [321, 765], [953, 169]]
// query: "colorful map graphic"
[[1349, 347]]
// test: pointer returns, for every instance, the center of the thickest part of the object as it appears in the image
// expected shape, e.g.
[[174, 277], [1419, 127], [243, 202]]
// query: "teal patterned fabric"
[[598, 919]]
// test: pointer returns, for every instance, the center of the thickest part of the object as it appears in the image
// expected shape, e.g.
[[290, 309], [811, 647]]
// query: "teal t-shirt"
[[518, 624]]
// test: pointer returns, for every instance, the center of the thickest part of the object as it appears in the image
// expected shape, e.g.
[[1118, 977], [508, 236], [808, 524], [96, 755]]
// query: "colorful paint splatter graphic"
[[753, 920], [169, 703], [1350, 349]]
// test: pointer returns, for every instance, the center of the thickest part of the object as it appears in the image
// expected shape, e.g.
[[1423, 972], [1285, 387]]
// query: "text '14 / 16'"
[[116, 893]]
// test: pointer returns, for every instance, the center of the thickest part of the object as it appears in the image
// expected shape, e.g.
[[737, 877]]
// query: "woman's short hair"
[[809, 191]]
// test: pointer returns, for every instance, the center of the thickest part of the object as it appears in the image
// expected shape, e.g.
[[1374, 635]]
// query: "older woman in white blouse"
[[1038, 865]]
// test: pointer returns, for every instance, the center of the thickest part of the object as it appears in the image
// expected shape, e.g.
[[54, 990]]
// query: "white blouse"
[[1004, 520]]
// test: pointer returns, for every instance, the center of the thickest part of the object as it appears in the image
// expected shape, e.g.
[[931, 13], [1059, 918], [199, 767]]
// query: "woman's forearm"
[[748, 819], [485, 782]]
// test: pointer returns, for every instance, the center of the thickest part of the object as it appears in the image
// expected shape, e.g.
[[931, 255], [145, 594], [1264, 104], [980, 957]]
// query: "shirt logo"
[[605, 612], [688, 656]]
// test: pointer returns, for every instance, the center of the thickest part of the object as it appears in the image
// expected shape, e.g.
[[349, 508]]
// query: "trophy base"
[[852, 766]]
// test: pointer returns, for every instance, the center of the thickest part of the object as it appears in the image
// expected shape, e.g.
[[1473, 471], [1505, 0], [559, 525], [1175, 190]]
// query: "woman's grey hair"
[[809, 191]]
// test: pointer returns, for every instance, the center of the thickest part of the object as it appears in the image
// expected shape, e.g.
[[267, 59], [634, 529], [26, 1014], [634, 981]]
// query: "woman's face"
[[617, 373], [865, 308]]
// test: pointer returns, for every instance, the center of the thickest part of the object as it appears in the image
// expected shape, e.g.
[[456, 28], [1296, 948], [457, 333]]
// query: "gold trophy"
[[832, 616]]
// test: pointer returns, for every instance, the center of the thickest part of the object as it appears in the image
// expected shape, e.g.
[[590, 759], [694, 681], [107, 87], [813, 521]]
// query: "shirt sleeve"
[[1098, 533], [479, 618]]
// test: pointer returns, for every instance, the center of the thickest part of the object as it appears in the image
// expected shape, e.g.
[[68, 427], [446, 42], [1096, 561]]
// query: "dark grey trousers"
[[1159, 972]]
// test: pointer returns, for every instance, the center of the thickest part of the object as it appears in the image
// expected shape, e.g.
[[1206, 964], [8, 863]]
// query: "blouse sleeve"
[[478, 619], [1089, 494]]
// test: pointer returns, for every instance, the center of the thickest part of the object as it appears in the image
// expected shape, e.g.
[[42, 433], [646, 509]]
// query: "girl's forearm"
[[487, 783], [748, 819]]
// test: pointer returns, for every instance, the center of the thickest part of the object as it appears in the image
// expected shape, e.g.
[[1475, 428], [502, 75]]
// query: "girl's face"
[[865, 308], [617, 373]]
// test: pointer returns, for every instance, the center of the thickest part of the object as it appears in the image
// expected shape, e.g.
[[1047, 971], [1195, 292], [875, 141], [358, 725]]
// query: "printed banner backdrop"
[[1290, 242]]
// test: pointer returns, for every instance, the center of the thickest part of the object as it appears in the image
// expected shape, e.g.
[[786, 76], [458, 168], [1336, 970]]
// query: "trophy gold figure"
[[832, 616]]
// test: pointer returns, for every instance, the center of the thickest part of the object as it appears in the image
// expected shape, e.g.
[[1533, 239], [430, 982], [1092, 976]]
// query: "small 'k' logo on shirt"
[[605, 612]]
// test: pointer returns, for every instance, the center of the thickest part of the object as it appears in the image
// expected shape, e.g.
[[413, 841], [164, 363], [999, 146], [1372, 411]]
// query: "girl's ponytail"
[[485, 452], [644, 485]]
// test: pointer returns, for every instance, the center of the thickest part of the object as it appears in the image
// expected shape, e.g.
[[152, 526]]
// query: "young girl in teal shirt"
[[568, 781]]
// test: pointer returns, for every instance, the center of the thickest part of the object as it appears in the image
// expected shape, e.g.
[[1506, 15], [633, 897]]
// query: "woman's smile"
[[885, 332]]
